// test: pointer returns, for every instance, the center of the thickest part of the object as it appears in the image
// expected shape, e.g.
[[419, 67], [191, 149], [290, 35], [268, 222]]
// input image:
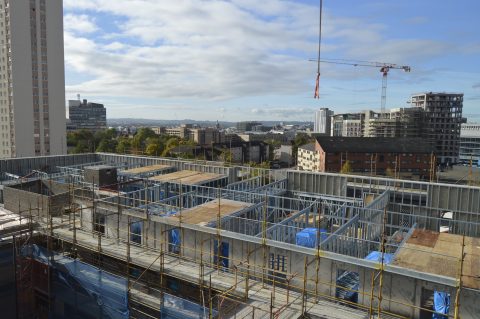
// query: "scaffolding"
[[241, 259]]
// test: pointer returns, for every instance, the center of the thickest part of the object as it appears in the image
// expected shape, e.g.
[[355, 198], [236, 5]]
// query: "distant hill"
[[148, 122]]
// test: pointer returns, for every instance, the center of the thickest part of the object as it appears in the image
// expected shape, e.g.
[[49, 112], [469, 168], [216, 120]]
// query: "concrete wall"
[[18, 200], [24, 166]]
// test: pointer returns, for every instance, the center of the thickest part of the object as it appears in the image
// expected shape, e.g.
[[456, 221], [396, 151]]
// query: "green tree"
[[107, 145], [124, 145], [226, 156], [140, 138], [154, 148], [346, 168]]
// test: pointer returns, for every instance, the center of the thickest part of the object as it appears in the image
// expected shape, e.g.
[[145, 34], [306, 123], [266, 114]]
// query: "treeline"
[[145, 141]]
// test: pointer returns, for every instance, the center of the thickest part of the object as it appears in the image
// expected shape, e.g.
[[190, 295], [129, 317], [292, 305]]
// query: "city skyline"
[[249, 60]]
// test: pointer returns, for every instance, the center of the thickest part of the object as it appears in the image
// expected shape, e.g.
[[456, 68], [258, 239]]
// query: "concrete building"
[[349, 124], [202, 136], [247, 126], [470, 144], [278, 136], [84, 115], [284, 155], [322, 123], [32, 90], [443, 118], [201, 239], [205, 136], [399, 122]]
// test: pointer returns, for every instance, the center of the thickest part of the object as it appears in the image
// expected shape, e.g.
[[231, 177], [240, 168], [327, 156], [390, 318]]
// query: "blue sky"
[[248, 59]]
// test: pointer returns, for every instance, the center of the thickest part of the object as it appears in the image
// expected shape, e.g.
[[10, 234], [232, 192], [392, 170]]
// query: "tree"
[[154, 149], [107, 145], [226, 156], [140, 138], [124, 145], [346, 168]]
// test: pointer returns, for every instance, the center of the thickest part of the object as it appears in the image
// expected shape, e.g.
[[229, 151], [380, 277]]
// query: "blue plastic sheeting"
[[224, 248], [175, 307], [377, 256], [441, 304], [73, 278], [174, 240], [308, 237]]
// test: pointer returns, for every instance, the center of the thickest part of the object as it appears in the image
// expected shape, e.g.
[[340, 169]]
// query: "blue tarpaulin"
[[174, 240], [441, 304], [349, 281], [377, 256], [308, 237], [107, 293]]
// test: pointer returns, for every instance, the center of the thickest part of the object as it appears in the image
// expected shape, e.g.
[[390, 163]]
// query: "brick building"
[[378, 155]]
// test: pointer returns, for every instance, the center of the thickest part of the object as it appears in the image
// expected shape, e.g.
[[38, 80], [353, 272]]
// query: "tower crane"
[[384, 69]]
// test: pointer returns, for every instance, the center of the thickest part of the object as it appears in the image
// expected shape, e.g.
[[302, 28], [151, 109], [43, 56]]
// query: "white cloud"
[[79, 23], [216, 50]]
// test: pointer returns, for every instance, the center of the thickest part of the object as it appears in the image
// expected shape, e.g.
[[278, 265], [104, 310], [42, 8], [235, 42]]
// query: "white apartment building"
[[322, 122], [307, 158], [32, 78]]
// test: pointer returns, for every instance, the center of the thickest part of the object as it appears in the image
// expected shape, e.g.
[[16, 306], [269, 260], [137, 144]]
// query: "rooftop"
[[309, 147], [374, 144]]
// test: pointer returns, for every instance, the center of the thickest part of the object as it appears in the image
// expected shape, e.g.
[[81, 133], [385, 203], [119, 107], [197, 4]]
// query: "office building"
[[247, 126], [470, 144], [32, 86], [348, 124], [86, 115], [322, 124], [443, 118]]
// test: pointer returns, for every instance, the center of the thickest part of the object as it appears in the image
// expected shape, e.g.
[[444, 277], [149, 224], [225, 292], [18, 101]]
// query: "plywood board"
[[146, 169], [443, 257], [205, 213], [173, 177], [187, 177], [423, 238]]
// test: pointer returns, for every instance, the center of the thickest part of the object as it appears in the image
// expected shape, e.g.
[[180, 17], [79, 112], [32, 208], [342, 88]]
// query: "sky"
[[249, 59]]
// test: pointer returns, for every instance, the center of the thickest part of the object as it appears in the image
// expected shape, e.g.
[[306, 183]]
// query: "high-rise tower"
[[32, 78]]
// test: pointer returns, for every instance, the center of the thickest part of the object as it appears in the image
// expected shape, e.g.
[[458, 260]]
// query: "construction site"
[[119, 236]]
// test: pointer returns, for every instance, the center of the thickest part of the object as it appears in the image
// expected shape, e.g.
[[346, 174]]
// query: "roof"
[[374, 144], [309, 147], [439, 253]]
